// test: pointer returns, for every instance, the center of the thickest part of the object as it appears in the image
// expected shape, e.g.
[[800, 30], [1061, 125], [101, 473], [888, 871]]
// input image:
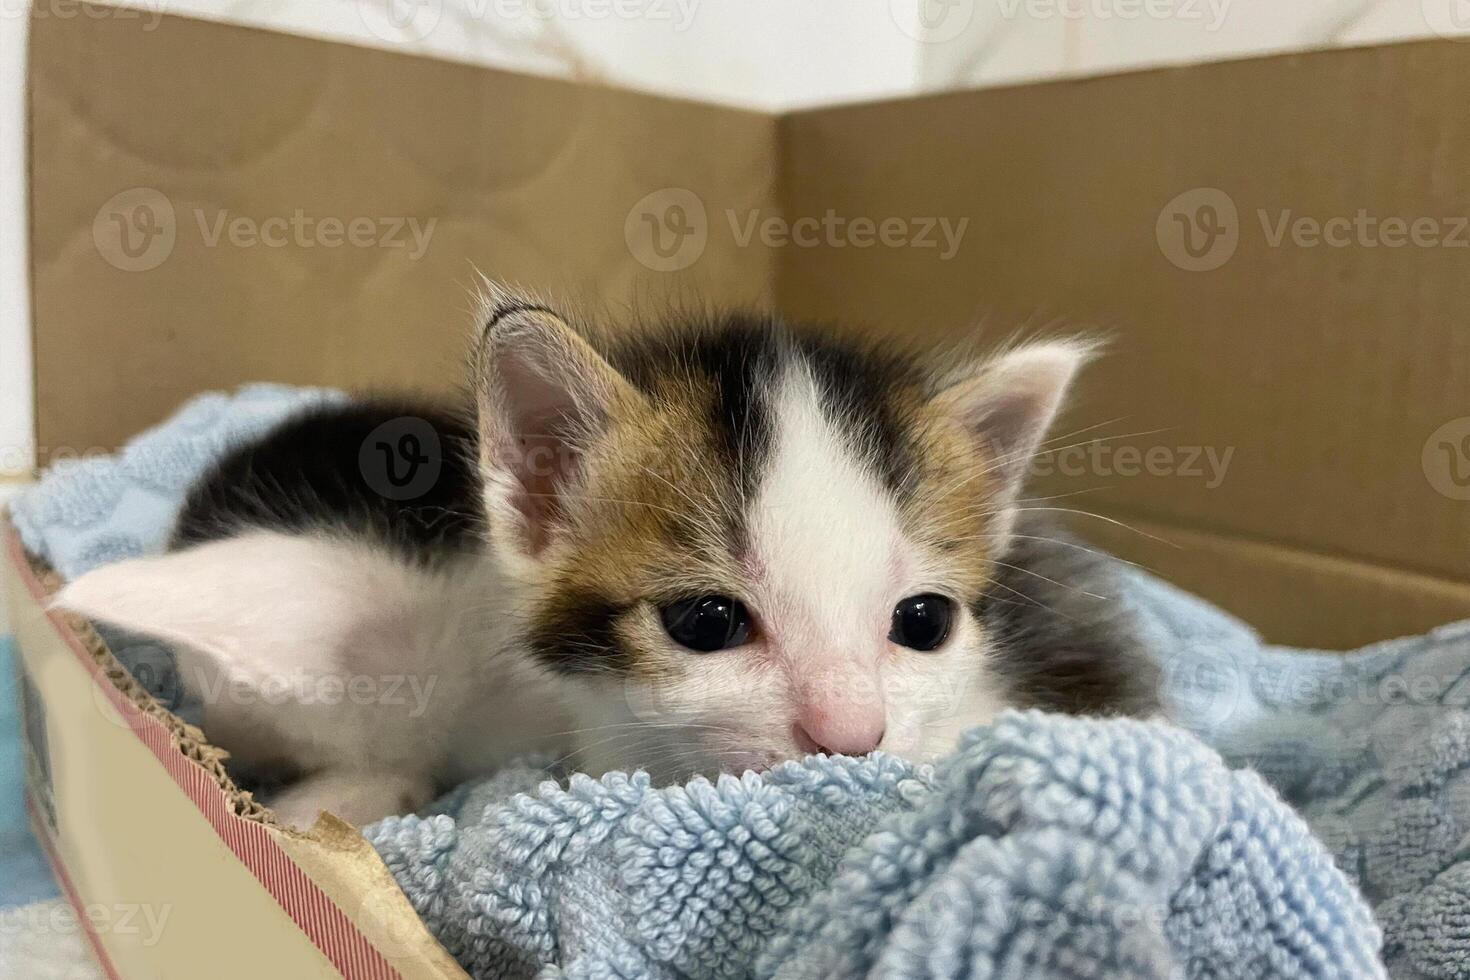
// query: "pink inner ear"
[[544, 466], [1008, 424], [541, 412]]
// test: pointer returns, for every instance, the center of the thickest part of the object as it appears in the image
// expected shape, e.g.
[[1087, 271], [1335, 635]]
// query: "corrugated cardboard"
[[1327, 370], [1324, 371], [1328, 382], [181, 874], [530, 179]]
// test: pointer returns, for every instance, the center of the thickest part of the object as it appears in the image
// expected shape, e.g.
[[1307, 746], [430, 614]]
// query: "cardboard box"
[[194, 190], [174, 872]]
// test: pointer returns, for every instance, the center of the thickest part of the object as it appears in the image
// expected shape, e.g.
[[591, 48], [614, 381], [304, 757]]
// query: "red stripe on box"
[[323, 922]]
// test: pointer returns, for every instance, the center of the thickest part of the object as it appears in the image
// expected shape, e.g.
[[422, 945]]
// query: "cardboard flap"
[[1321, 357], [1276, 247], [214, 204]]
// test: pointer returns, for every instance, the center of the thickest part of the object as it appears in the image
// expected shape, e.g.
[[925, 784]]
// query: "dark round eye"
[[707, 623], [921, 622]]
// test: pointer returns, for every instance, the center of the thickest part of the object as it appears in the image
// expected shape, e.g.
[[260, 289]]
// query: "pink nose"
[[837, 735]]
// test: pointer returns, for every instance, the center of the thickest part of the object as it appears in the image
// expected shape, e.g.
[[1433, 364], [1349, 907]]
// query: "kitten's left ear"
[[543, 396], [1007, 404]]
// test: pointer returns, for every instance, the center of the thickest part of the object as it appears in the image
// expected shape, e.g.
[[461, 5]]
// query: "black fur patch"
[[858, 386], [576, 636], [515, 306], [1057, 648], [400, 473], [741, 355]]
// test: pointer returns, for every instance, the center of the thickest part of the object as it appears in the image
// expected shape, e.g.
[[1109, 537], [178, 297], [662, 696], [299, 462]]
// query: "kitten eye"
[[707, 623], [921, 622]]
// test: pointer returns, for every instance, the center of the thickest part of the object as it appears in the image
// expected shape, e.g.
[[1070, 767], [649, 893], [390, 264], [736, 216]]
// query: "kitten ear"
[[254, 606], [543, 396], [1007, 404], [176, 598]]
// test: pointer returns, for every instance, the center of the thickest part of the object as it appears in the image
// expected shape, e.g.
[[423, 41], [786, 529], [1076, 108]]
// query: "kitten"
[[708, 548]]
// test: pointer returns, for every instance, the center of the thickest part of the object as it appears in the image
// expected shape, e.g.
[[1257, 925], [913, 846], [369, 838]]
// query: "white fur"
[[1008, 404], [335, 657], [268, 622], [828, 554], [829, 562]]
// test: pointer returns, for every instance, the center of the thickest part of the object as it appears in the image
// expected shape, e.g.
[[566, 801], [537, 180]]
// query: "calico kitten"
[[704, 548]]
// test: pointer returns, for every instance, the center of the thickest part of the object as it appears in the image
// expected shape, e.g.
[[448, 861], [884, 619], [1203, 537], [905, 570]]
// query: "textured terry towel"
[[1046, 846], [93, 510], [98, 509]]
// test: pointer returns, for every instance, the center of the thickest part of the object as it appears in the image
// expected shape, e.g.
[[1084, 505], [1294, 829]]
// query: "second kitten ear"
[[258, 605], [1008, 403], [543, 395]]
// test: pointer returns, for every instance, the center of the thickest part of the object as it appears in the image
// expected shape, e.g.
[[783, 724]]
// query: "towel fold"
[[1045, 846]]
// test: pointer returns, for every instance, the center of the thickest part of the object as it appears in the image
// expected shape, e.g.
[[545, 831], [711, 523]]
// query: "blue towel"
[[98, 509], [88, 512], [1045, 846], [25, 876]]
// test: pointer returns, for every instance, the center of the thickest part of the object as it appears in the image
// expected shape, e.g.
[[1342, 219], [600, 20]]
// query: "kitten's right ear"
[[543, 396]]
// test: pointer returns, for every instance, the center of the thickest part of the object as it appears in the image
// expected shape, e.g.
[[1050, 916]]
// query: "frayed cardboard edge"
[[189, 739]]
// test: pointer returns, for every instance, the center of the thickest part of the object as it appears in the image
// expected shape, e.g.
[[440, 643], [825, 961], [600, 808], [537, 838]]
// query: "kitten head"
[[742, 540]]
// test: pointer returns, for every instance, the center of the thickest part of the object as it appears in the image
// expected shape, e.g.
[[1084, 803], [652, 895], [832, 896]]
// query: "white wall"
[[779, 54], [772, 54], [16, 448]]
